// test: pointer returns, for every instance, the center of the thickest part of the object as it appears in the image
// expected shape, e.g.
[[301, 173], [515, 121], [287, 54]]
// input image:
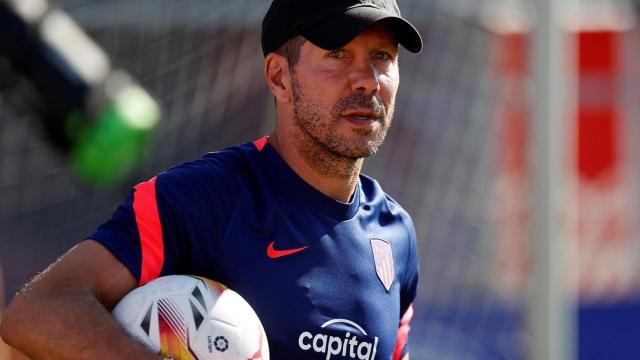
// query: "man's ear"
[[276, 70]]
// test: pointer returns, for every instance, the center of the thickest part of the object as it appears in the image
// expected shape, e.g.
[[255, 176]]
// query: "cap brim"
[[339, 29]]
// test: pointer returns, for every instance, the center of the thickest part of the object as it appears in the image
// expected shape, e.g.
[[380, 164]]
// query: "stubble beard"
[[317, 137]]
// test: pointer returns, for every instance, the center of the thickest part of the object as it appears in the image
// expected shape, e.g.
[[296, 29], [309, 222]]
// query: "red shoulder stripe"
[[145, 208]]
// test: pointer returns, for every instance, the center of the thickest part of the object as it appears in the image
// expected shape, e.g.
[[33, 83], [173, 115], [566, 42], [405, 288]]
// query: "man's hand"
[[63, 313]]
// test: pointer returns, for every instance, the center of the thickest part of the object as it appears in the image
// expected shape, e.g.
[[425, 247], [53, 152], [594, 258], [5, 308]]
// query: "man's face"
[[344, 98]]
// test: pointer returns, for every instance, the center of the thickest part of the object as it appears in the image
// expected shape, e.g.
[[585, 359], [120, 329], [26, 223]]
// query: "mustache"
[[361, 101]]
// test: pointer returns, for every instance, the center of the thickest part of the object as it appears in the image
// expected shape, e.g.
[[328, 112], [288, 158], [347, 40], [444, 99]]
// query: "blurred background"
[[458, 156]]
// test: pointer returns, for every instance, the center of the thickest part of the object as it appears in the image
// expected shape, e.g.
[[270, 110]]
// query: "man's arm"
[[63, 313]]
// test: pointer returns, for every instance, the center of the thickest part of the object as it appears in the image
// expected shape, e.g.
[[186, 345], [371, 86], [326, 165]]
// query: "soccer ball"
[[192, 318]]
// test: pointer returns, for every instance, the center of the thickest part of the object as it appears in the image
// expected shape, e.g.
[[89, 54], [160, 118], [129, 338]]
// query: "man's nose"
[[364, 78]]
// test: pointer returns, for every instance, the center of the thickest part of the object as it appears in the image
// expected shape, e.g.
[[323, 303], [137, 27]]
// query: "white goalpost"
[[549, 310]]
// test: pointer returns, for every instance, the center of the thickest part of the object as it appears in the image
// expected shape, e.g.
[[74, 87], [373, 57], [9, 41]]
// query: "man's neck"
[[332, 175]]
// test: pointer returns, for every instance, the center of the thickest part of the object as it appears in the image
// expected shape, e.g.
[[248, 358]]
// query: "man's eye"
[[383, 55], [336, 54]]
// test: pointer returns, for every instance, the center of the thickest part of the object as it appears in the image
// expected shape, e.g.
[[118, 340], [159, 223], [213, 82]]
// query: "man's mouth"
[[362, 114]]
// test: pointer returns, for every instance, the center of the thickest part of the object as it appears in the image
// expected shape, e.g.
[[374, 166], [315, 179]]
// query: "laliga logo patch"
[[347, 346], [220, 343]]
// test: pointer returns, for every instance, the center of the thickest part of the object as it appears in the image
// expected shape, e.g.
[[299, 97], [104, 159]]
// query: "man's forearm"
[[67, 325]]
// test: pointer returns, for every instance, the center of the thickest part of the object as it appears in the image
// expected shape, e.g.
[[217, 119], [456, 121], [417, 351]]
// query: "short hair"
[[291, 50]]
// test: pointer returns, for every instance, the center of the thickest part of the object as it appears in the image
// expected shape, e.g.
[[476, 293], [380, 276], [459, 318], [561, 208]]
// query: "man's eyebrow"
[[391, 41], [388, 45]]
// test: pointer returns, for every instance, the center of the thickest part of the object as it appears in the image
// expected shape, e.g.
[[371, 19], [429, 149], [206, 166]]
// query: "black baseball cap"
[[331, 24]]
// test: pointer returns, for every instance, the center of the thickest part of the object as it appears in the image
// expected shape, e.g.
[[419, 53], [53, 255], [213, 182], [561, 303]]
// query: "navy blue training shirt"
[[328, 280]]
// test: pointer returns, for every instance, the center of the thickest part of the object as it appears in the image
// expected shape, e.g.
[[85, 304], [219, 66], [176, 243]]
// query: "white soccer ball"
[[187, 317]]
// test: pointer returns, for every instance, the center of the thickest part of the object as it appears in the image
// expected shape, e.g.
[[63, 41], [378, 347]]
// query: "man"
[[287, 221]]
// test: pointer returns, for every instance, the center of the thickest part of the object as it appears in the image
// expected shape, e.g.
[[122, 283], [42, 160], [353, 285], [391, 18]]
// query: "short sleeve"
[[408, 293], [120, 236], [166, 220], [412, 269]]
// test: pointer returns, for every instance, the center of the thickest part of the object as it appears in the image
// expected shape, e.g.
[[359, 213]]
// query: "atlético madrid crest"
[[383, 257]]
